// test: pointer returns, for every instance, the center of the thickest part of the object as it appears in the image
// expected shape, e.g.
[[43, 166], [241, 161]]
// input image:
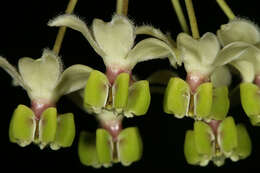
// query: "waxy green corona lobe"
[[100, 150], [124, 98], [206, 103], [51, 129], [116, 94]]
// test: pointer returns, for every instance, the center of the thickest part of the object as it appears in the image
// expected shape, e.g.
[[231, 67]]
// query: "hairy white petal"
[[149, 49], [246, 70], [41, 75], [240, 51], [239, 30], [198, 54], [72, 79], [11, 70], [77, 24], [115, 38], [150, 30]]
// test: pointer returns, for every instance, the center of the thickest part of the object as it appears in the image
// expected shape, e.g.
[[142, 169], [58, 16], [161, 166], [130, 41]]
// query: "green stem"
[[122, 7], [180, 15], [62, 30], [192, 18], [226, 9]]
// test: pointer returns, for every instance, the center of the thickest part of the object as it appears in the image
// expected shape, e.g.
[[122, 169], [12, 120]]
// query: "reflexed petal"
[[174, 58], [22, 126], [239, 51], [11, 70], [129, 146], [77, 24], [41, 75], [239, 30], [149, 49], [150, 30], [177, 97], [246, 70], [72, 79]]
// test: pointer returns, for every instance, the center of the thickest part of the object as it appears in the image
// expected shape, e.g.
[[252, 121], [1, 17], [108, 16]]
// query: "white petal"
[[221, 77], [239, 51], [11, 70], [239, 30], [41, 75], [149, 49], [115, 38], [246, 70], [72, 79], [198, 54], [77, 24], [149, 30]]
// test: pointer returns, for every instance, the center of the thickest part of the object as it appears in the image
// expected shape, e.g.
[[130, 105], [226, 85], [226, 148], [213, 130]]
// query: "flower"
[[241, 39], [45, 82], [114, 42]]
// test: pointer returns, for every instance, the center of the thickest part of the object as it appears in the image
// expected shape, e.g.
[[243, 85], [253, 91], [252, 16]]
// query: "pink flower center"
[[114, 127], [257, 80], [39, 106], [113, 72], [214, 124], [195, 79]]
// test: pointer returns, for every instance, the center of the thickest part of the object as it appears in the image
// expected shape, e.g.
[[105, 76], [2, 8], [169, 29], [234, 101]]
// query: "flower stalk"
[[122, 7], [179, 12], [192, 18], [62, 30], [226, 9]]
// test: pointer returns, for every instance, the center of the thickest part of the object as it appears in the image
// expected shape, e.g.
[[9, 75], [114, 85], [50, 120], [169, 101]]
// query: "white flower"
[[114, 42], [198, 55], [44, 78], [240, 39]]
